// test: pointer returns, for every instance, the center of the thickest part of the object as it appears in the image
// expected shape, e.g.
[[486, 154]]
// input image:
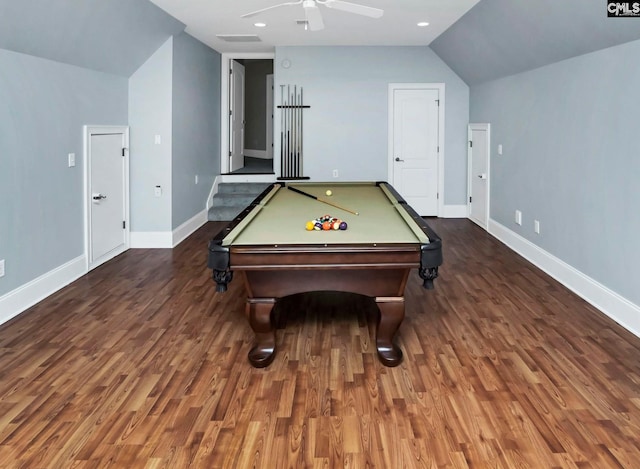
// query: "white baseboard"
[[618, 308], [212, 192], [27, 295], [188, 227], [454, 211], [167, 239], [262, 154], [246, 178], [151, 239]]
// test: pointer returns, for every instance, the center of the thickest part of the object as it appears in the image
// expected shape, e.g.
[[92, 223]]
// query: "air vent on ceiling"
[[238, 37]]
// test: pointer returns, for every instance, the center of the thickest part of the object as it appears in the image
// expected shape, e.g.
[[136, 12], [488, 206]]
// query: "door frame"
[[225, 62], [89, 131], [441, 94], [270, 115], [237, 114], [487, 128]]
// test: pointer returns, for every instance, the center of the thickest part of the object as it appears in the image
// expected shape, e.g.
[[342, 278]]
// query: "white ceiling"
[[398, 26]]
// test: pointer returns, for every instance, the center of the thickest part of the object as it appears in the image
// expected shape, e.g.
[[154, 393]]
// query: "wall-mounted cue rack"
[[291, 132]]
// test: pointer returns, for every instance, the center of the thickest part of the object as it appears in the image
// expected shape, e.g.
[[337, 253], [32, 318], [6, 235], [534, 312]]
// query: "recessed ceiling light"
[[422, 24], [259, 25]]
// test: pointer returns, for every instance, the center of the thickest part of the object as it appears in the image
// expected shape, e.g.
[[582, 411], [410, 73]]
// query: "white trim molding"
[[168, 239], [188, 227], [262, 154], [151, 239], [618, 308], [27, 295], [454, 211], [224, 99]]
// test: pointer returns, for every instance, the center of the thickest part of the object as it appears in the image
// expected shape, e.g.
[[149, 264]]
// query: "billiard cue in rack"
[[291, 131], [324, 201]]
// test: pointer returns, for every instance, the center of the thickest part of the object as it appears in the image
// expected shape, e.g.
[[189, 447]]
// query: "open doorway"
[[247, 123]]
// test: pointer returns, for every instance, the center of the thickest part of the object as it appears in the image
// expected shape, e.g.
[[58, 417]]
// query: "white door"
[[414, 140], [107, 193], [270, 117], [236, 117], [479, 174]]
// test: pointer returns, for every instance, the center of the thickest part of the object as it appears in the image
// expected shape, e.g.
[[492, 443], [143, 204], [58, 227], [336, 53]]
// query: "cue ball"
[[328, 192]]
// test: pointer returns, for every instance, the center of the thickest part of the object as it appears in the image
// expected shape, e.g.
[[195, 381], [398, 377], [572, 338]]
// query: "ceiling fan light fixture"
[[313, 15], [422, 24], [260, 25]]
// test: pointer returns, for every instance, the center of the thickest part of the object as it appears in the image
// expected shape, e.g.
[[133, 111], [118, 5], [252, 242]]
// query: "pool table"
[[269, 247]]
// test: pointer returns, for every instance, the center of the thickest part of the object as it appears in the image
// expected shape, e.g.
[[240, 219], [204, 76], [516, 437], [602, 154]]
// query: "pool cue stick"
[[290, 132], [298, 172], [286, 126], [292, 111], [297, 111], [293, 130], [301, 131], [281, 129], [324, 201]]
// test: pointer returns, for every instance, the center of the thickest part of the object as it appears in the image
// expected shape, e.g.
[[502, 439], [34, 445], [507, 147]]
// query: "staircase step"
[[223, 213], [242, 187], [232, 198]]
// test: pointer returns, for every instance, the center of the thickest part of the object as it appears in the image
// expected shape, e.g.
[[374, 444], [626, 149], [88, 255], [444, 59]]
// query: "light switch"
[[157, 191], [72, 159], [157, 140]]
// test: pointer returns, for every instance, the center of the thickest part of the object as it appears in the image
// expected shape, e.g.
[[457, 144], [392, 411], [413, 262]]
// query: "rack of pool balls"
[[326, 223]]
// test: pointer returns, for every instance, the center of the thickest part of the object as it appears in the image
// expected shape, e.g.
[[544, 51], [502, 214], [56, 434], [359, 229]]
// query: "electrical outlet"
[[335, 173], [1, 267], [518, 217], [536, 226], [157, 139]]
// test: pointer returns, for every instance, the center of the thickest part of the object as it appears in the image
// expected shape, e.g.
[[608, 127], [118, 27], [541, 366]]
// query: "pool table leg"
[[391, 315], [260, 319]]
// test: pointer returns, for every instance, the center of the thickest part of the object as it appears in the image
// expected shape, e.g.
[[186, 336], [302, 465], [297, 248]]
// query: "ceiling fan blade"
[[313, 16], [354, 8], [253, 13]]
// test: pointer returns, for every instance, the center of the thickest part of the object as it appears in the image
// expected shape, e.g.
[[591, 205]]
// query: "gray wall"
[[44, 107], [346, 126], [196, 126], [571, 159], [150, 114]]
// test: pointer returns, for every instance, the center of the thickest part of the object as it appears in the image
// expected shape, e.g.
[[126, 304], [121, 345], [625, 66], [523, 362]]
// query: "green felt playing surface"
[[281, 217]]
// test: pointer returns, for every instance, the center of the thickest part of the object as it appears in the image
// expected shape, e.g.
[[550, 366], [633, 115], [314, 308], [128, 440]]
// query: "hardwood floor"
[[140, 364]]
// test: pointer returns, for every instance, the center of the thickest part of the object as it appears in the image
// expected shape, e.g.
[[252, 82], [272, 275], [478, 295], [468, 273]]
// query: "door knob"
[[398, 159], [482, 176], [99, 196]]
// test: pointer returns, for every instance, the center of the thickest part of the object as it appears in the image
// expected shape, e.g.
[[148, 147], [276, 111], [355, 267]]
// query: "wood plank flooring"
[[140, 364]]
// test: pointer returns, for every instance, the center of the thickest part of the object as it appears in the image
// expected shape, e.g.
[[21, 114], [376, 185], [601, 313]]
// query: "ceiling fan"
[[313, 15]]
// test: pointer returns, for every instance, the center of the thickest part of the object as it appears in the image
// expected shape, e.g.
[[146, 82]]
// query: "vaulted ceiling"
[[480, 41], [497, 38], [114, 36]]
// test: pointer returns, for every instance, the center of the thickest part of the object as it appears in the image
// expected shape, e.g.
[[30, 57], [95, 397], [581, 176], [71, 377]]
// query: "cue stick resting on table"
[[321, 200]]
